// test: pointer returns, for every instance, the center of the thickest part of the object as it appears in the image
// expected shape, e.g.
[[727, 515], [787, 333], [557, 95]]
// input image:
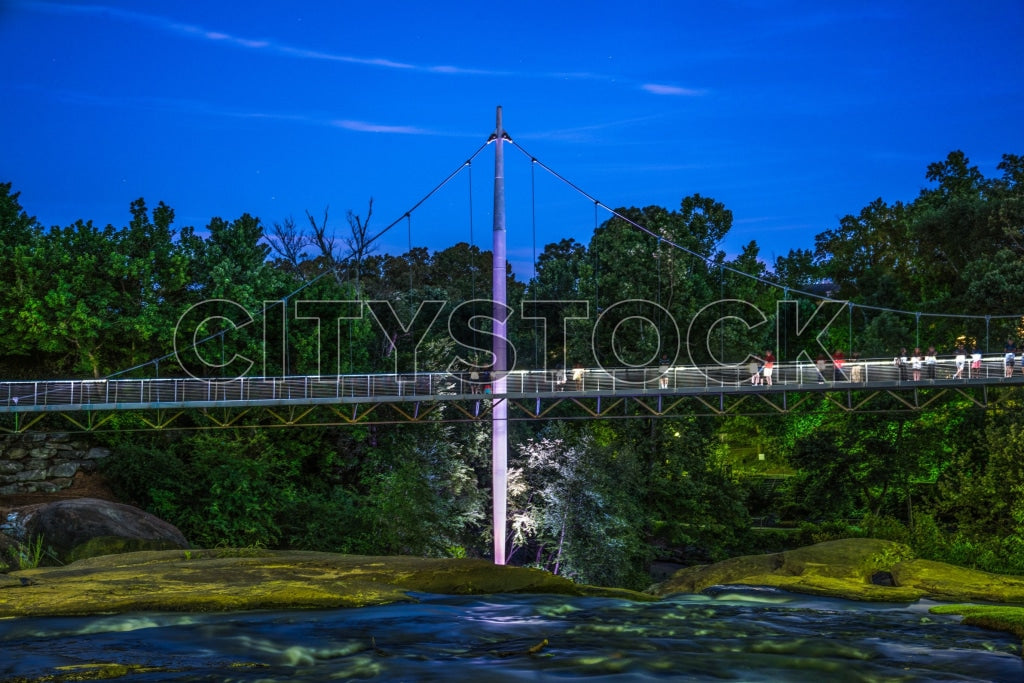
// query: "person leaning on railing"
[[902, 363], [838, 360], [915, 363], [769, 365], [856, 367]]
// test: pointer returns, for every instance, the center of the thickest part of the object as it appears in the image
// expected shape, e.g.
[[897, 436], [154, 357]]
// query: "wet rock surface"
[[852, 568], [244, 579]]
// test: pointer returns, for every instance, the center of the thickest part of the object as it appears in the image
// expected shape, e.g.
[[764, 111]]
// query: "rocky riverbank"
[[187, 580], [239, 579], [851, 568], [867, 569], [246, 579]]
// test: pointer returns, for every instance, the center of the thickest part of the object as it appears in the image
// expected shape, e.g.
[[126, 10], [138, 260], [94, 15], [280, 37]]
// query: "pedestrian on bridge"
[[930, 359], [975, 369], [961, 360], [915, 363], [769, 366], [1010, 351], [902, 361], [856, 367], [560, 377], [838, 360], [754, 367], [663, 369]]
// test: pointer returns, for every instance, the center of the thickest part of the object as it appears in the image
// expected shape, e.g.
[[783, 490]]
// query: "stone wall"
[[34, 463]]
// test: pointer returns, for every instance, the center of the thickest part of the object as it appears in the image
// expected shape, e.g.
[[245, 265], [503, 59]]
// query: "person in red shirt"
[[769, 365], [838, 359]]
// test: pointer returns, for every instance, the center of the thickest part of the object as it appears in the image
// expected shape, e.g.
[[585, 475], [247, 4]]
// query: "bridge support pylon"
[[499, 413]]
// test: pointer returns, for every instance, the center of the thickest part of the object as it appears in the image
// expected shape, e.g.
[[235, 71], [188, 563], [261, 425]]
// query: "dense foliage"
[[597, 500]]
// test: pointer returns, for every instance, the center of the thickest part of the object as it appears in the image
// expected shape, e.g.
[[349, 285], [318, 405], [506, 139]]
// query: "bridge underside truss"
[[560, 406]]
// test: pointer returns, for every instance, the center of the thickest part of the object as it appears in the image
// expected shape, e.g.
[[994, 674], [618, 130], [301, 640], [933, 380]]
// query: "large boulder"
[[8, 552], [86, 527]]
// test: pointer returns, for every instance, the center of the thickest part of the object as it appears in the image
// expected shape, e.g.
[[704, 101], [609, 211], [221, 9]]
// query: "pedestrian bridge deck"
[[395, 388]]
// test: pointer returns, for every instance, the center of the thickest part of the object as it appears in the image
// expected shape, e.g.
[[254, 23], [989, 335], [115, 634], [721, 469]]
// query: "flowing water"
[[731, 635]]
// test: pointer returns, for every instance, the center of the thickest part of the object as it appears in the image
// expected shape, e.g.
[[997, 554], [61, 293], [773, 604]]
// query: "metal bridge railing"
[[128, 394]]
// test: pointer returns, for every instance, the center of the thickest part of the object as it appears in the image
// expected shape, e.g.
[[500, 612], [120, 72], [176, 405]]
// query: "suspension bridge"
[[536, 393], [500, 394], [862, 385]]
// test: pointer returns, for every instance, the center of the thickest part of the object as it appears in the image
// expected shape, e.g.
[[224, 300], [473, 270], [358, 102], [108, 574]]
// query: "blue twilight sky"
[[792, 114]]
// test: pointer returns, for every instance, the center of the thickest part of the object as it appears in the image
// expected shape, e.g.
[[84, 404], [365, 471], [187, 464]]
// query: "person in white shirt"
[[961, 360]]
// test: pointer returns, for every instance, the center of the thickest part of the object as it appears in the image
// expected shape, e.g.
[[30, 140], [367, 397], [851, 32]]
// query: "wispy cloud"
[[583, 133], [366, 127], [198, 107], [662, 89], [202, 33], [269, 46]]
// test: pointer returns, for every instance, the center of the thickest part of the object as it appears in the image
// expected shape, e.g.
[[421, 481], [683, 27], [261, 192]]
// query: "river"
[[733, 634]]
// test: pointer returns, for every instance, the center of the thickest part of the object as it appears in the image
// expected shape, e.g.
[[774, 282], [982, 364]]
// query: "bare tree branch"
[[324, 242], [358, 241], [288, 243]]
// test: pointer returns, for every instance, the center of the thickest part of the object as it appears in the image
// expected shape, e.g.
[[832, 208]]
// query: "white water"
[[734, 634]]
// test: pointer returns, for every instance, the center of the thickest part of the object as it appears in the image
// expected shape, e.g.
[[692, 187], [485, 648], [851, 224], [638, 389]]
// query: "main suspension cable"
[[263, 311], [710, 262]]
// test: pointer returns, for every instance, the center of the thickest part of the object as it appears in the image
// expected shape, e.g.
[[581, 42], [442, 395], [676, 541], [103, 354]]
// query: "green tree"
[[797, 269], [574, 512], [669, 265], [856, 464], [152, 268], [71, 316], [21, 267]]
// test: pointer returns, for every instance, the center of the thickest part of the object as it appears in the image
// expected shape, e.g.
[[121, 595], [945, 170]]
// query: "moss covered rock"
[[224, 580], [846, 568], [948, 582], [993, 617], [853, 568]]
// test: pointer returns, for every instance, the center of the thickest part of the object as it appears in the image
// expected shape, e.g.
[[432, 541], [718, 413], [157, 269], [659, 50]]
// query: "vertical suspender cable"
[[533, 214], [533, 221], [660, 317], [408, 227], [784, 352], [597, 268], [469, 173], [849, 310], [472, 245], [721, 297]]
